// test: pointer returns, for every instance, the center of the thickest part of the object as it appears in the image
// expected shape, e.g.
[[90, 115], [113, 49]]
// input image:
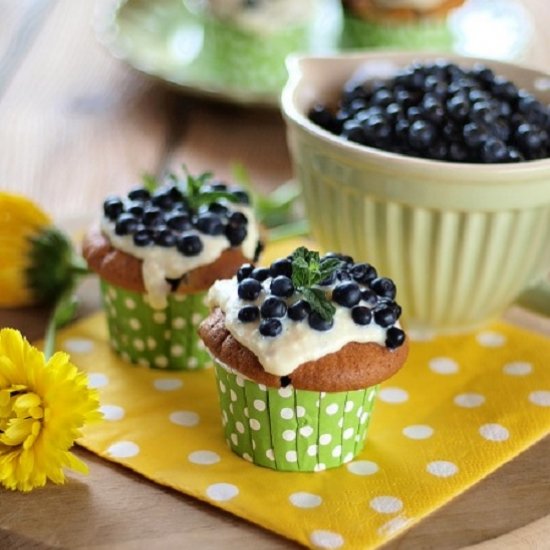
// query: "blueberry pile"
[[356, 286], [165, 218], [443, 112]]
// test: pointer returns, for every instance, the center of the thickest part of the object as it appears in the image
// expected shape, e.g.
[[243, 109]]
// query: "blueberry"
[[218, 186], [353, 131], [136, 210], [376, 129], [382, 97], [143, 237], [282, 286], [151, 216], [327, 281], [273, 307], [421, 134], [528, 138], [178, 222], [113, 207], [161, 198], [217, 208], [503, 88], [165, 238], [343, 275], [238, 218], [249, 289], [316, 322], [384, 287], [190, 245], [174, 193], [361, 315], [385, 316], [139, 194], [248, 314], [369, 296], [342, 257], [299, 310], [458, 107], [244, 271], [432, 109], [270, 327], [241, 196], [260, 273], [494, 150], [347, 294], [210, 224], [394, 337], [458, 152], [475, 134], [282, 266], [363, 273], [126, 224], [236, 234], [321, 116]]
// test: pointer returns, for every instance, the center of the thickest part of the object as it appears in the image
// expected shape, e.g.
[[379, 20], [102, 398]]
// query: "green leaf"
[[209, 197], [149, 182], [319, 302]]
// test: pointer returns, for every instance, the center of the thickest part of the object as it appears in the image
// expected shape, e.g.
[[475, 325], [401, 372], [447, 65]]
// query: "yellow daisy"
[[43, 406], [37, 262]]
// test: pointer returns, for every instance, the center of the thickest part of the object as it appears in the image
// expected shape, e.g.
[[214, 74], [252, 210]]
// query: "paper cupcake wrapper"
[[165, 338], [422, 35], [292, 430]]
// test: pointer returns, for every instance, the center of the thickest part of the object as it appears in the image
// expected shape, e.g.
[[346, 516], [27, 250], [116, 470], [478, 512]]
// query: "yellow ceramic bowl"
[[461, 241]]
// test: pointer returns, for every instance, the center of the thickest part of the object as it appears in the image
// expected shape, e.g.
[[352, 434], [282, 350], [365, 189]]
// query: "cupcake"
[[246, 42], [299, 350], [156, 251], [398, 23]]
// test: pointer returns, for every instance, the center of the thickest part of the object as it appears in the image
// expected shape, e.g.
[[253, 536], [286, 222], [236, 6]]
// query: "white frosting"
[[298, 342], [161, 263]]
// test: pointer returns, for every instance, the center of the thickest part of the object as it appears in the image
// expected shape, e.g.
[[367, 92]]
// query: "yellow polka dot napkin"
[[460, 408]]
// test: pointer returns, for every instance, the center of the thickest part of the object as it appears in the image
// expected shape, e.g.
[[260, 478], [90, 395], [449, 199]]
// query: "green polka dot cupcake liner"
[[158, 338], [292, 430]]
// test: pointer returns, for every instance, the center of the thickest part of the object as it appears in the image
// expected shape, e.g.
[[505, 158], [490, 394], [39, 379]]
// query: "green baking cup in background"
[[160, 338], [292, 430]]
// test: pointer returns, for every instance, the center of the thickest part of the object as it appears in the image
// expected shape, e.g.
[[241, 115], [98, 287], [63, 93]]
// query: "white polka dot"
[[443, 365], [184, 418], [178, 322], [341, 422], [418, 431], [204, 457], [240, 427], [393, 526], [540, 398], [134, 323], [167, 384], [442, 468], [159, 317], [143, 362], [123, 449], [285, 392], [222, 387], [306, 431], [348, 458], [332, 409], [494, 432], [326, 539], [196, 318], [130, 303], [180, 297], [305, 500], [349, 406], [231, 408], [337, 451], [312, 450], [232, 395], [151, 343], [359, 412], [300, 411], [139, 344], [291, 456], [234, 439], [517, 368], [362, 467], [259, 405], [125, 356], [254, 424], [289, 435], [97, 380], [262, 387], [393, 395], [287, 413], [247, 457], [319, 467], [112, 412], [245, 410], [239, 381], [348, 433], [176, 350], [222, 491], [112, 293], [270, 454], [386, 504], [491, 339], [364, 417], [161, 361], [325, 439], [78, 345], [469, 400]]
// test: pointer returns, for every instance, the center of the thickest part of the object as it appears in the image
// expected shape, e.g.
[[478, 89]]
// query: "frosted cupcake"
[[300, 348], [420, 24], [156, 253]]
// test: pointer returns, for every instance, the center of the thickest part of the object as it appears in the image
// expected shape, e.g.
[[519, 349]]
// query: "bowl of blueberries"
[[436, 169]]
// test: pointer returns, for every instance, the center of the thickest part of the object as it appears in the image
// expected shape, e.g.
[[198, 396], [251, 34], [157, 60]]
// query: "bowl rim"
[[292, 113]]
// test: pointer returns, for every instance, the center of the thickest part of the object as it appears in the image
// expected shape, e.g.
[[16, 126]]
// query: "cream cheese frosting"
[[297, 343]]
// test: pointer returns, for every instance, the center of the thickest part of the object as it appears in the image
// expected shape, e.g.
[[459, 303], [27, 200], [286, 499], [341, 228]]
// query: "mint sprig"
[[308, 270]]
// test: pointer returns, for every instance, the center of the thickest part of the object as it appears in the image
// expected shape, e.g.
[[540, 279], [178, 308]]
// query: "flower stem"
[[62, 313]]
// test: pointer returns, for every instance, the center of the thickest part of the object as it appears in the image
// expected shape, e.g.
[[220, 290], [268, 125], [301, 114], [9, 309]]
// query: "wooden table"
[[75, 125]]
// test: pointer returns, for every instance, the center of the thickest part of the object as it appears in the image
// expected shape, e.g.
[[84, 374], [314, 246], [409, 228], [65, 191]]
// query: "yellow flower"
[[37, 262], [43, 406]]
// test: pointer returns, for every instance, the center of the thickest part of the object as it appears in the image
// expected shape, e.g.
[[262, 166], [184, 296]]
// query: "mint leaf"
[[319, 302], [149, 182]]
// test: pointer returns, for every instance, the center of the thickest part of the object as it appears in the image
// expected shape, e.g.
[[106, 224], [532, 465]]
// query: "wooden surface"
[[77, 124]]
